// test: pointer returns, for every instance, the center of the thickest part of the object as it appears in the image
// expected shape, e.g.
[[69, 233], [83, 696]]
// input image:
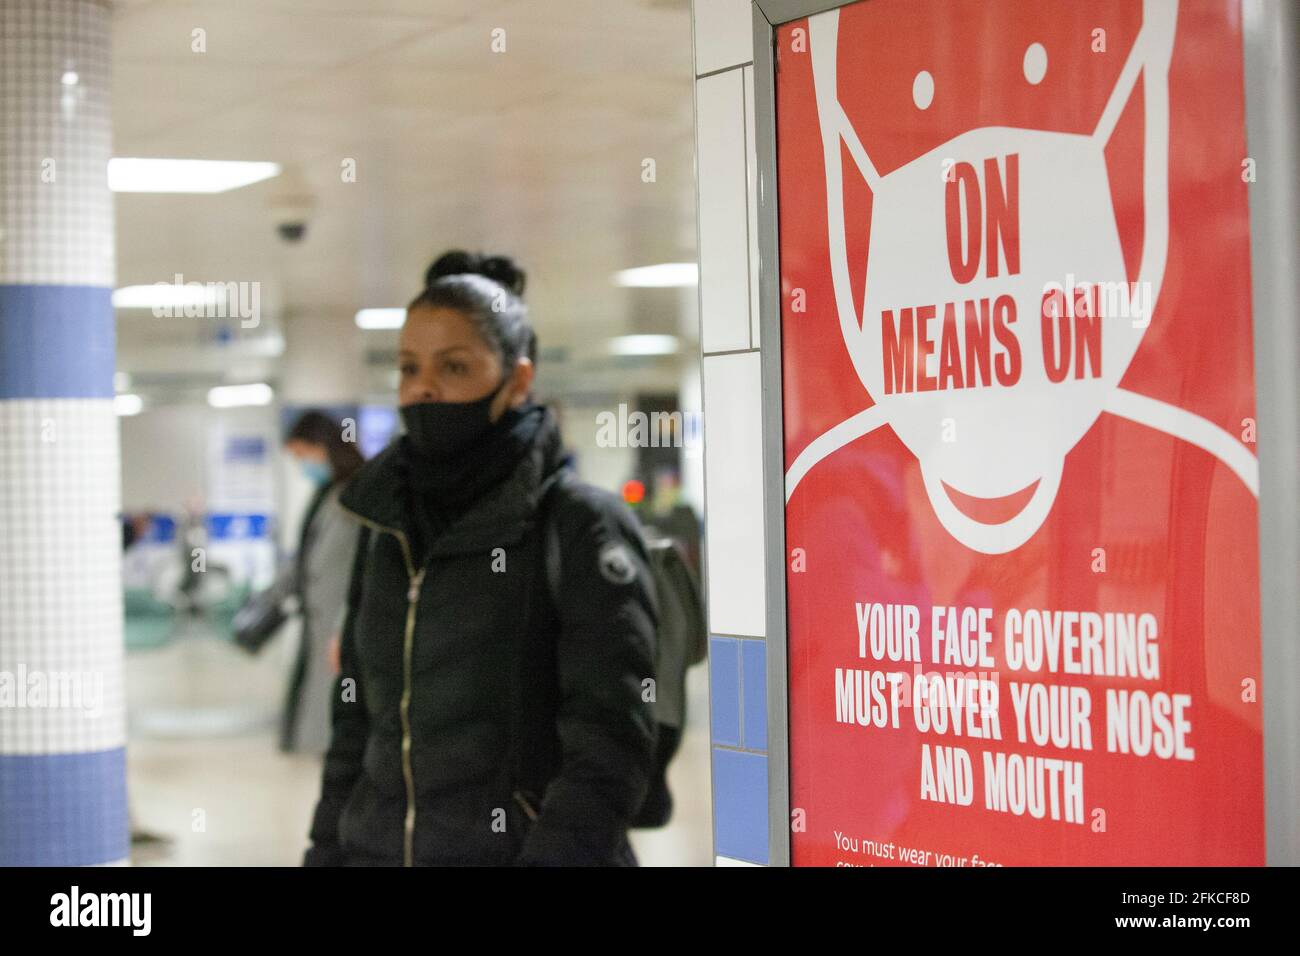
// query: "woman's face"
[[302, 451], [442, 358]]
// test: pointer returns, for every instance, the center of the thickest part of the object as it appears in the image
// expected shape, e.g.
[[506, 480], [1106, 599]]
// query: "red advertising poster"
[[1021, 483]]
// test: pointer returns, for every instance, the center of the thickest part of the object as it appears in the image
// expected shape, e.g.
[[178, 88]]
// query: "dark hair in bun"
[[489, 291], [501, 269]]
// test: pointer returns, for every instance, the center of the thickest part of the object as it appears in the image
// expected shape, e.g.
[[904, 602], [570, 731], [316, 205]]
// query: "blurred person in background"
[[325, 550], [670, 515], [482, 718], [137, 572]]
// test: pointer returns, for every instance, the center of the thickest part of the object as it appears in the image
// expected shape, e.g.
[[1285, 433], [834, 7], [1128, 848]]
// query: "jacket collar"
[[374, 493], [378, 495]]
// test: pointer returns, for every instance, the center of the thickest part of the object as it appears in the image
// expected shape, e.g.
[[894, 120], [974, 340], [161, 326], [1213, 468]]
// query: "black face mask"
[[441, 431]]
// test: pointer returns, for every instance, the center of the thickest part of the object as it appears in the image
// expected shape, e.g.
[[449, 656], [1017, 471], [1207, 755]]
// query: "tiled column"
[[733, 435], [62, 737]]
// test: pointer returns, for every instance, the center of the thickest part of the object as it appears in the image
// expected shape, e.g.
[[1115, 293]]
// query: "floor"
[[206, 778]]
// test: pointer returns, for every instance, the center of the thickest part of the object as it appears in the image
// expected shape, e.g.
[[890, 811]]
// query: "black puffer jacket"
[[489, 726]]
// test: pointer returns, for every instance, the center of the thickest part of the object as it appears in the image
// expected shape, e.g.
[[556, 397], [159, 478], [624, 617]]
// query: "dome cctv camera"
[[291, 205], [291, 231], [290, 218]]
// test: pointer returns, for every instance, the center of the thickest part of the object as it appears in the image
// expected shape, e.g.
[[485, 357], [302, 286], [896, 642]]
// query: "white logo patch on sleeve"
[[616, 564]]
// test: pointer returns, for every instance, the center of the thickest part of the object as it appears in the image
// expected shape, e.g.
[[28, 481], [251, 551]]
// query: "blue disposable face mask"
[[318, 473]]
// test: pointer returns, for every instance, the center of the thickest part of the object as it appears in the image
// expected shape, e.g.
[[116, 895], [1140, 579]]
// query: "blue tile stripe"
[[63, 809], [740, 805], [753, 670], [56, 341], [724, 690], [738, 712]]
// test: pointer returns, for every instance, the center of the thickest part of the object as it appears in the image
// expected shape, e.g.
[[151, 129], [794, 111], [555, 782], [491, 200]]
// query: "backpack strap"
[[359, 567], [549, 554]]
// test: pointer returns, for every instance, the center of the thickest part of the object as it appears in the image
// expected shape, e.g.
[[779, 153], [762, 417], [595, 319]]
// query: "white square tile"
[[724, 34], [733, 487], [751, 177], [723, 191]]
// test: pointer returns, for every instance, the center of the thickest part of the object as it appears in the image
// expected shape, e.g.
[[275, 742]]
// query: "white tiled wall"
[[723, 34], [734, 558], [751, 198], [728, 248], [723, 217], [733, 488]]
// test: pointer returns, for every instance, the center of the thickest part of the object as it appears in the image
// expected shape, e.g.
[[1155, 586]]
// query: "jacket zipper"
[[412, 599], [523, 802]]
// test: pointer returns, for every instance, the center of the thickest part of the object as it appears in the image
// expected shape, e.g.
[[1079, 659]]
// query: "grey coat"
[[329, 544]]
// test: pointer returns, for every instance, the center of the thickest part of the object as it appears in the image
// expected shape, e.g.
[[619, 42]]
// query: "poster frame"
[[1271, 48]]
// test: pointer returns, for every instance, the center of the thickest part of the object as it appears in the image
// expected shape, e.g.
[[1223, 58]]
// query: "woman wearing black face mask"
[[500, 624]]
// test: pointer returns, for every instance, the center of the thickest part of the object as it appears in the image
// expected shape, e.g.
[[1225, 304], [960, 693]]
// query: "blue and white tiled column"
[[733, 433], [62, 731]]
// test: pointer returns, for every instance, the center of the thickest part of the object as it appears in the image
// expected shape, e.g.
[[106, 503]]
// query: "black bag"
[[263, 613], [681, 640]]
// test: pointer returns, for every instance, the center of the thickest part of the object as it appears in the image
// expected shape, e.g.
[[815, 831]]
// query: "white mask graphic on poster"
[[1005, 233]]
